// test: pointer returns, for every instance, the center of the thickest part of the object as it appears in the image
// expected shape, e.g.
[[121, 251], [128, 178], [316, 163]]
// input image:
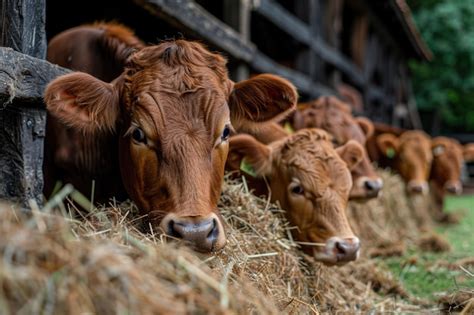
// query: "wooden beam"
[[302, 32], [23, 78], [237, 15], [22, 26], [302, 81], [22, 128], [195, 19]]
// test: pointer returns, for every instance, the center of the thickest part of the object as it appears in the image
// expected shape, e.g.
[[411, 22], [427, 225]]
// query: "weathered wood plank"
[[22, 27], [237, 15], [302, 32], [194, 18], [22, 131], [303, 82], [23, 78], [189, 14]]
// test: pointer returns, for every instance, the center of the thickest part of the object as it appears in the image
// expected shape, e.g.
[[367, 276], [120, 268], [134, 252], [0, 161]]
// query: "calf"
[[448, 159], [410, 155], [311, 180], [158, 133], [334, 116]]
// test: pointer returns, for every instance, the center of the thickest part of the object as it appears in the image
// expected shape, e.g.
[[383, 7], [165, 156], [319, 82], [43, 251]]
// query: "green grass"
[[424, 274]]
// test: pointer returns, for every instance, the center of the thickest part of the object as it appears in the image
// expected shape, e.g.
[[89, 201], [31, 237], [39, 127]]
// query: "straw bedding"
[[104, 263]]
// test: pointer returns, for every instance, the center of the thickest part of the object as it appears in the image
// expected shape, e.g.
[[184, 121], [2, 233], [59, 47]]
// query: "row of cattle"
[[159, 124]]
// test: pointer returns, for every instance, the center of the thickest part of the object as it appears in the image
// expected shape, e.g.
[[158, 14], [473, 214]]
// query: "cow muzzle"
[[203, 233], [417, 187], [373, 186], [339, 251], [453, 187]]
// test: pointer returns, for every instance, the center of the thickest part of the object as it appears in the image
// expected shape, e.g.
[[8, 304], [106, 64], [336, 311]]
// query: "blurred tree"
[[445, 86]]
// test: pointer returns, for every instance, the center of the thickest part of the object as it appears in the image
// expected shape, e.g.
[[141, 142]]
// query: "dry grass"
[[104, 263]]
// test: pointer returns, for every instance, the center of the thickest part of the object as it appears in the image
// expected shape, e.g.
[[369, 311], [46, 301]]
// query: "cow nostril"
[[214, 231], [341, 248], [347, 249], [417, 189], [172, 230], [202, 235], [370, 185]]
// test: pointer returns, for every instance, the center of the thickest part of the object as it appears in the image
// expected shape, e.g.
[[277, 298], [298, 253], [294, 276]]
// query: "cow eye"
[[298, 190], [225, 133], [138, 135]]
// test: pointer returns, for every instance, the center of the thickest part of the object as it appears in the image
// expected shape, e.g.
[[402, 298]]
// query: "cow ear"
[[262, 98], [468, 152], [84, 102], [249, 155], [352, 153], [388, 144], [366, 125]]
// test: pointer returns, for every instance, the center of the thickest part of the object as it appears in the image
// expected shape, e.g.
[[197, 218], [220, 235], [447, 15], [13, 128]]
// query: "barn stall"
[[327, 44], [356, 49]]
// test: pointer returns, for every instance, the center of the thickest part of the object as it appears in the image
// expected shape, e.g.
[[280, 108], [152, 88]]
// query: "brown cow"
[[163, 124], [448, 158], [371, 144], [312, 182], [334, 116], [410, 155]]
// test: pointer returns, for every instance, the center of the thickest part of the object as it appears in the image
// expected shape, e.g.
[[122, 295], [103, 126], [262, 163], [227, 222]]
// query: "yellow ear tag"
[[247, 168], [390, 153], [288, 128]]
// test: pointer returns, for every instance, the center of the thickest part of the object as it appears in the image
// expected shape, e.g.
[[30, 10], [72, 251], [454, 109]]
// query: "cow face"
[[312, 182], [412, 155], [334, 116], [448, 158], [172, 109]]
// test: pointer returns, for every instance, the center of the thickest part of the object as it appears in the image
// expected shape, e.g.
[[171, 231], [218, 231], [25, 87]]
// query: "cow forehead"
[[176, 67], [451, 145], [195, 117], [416, 142], [334, 117], [311, 159]]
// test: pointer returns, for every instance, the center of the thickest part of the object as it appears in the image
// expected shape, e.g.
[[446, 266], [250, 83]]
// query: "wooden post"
[[22, 128], [307, 60], [333, 32], [237, 16]]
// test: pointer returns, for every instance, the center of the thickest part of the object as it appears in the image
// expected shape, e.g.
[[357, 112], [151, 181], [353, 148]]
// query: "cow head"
[[334, 116], [311, 181], [448, 158], [412, 155], [172, 108]]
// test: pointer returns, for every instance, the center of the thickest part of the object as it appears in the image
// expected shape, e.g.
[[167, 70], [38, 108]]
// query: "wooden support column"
[[308, 61], [333, 33], [22, 126], [237, 16]]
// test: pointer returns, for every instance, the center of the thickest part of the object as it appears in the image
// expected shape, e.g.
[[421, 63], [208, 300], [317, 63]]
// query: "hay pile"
[[391, 223], [105, 264], [462, 300]]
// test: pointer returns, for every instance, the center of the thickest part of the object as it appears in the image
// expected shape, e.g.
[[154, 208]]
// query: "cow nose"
[[373, 186], [201, 234], [453, 187], [417, 187], [347, 249]]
